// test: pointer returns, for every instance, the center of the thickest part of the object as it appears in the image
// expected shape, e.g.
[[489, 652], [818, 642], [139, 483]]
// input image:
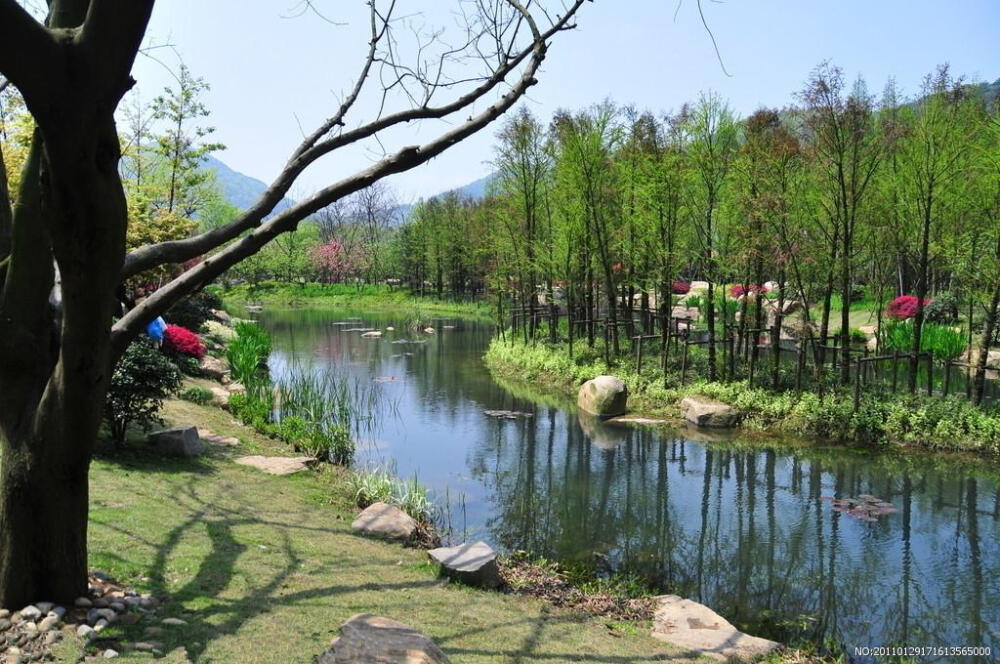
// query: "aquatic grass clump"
[[379, 485], [320, 411], [248, 354]]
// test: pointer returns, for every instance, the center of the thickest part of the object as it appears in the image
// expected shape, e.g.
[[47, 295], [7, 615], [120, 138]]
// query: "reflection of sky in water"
[[743, 530]]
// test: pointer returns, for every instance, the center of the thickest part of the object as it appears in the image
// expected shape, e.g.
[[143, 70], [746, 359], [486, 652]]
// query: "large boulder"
[[707, 412], [695, 627], [214, 368], [604, 396], [177, 442], [368, 639], [385, 520], [473, 564], [220, 396]]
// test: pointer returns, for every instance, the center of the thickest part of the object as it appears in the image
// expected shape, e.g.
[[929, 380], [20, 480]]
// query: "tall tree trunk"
[[922, 274], [979, 383]]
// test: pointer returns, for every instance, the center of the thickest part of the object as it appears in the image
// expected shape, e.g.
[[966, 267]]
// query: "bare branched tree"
[[73, 69]]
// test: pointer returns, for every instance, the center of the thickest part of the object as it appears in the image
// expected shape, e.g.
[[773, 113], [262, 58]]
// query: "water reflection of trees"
[[746, 532], [742, 530]]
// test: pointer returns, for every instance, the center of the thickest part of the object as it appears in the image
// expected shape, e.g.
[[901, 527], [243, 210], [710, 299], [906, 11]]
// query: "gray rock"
[[31, 612], [4, 624], [4, 613], [44, 607], [109, 654], [177, 442], [474, 564], [214, 368], [148, 602], [173, 622], [85, 632], [707, 412], [220, 396], [52, 637], [48, 623], [118, 607], [604, 396], [82, 603], [384, 520], [695, 627], [58, 611], [368, 638]]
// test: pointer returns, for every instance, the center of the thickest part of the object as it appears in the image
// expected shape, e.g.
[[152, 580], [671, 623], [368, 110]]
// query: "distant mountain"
[[474, 191], [239, 189]]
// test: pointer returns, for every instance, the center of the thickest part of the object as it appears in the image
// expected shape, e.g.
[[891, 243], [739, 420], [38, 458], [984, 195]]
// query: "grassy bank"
[[932, 423], [375, 298], [265, 569]]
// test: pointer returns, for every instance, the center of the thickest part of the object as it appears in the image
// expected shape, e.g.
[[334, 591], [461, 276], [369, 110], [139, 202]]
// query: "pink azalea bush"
[[680, 287], [738, 290], [179, 340], [904, 307]]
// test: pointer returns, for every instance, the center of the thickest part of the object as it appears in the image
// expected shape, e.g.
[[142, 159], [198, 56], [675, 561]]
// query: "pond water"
[[751, 532]]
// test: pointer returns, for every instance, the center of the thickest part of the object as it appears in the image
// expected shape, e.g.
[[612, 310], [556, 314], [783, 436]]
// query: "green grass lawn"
[[373, 298], [265, 569]]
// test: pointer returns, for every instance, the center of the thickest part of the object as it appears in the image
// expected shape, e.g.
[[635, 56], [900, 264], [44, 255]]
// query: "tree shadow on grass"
[[214, 605]]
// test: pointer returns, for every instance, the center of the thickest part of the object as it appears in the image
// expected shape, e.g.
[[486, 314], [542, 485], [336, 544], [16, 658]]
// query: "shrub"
[[143, 378], [194, 311], [904, 307], [738, 290], [196, 394], [179, 340], [942, 309], [680, 287]]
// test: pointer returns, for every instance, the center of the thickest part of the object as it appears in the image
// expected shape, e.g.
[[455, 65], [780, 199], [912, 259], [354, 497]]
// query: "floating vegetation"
[[385, 379], [865, 507], [507, 414]]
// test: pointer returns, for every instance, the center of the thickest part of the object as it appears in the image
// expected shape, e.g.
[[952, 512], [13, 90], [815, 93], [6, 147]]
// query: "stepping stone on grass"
[[695, 627], [368, 638], [474, 563], [277, 465], [385, 520], [217, 438]]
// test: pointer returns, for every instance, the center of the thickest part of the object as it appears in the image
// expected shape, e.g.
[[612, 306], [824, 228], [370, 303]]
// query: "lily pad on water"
[[865, 507], [507, 414]]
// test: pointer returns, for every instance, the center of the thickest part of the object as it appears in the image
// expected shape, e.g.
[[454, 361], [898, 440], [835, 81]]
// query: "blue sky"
[[274, 75]]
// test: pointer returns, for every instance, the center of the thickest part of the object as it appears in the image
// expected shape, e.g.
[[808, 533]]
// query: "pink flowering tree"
[[335, 262]]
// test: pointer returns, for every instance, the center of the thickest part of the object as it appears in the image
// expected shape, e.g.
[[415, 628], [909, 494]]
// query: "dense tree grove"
[[801, 224]]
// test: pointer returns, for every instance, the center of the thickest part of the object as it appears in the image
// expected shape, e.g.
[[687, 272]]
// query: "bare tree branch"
[[402, 160], [316, 146]]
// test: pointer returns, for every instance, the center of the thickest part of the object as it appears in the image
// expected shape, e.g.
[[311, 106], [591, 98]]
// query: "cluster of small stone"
[[29, 634]]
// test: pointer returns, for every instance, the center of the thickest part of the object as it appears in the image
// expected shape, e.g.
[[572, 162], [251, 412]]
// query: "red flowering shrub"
[[904, 306], [680, 287], [179, 340], [738, 290]]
